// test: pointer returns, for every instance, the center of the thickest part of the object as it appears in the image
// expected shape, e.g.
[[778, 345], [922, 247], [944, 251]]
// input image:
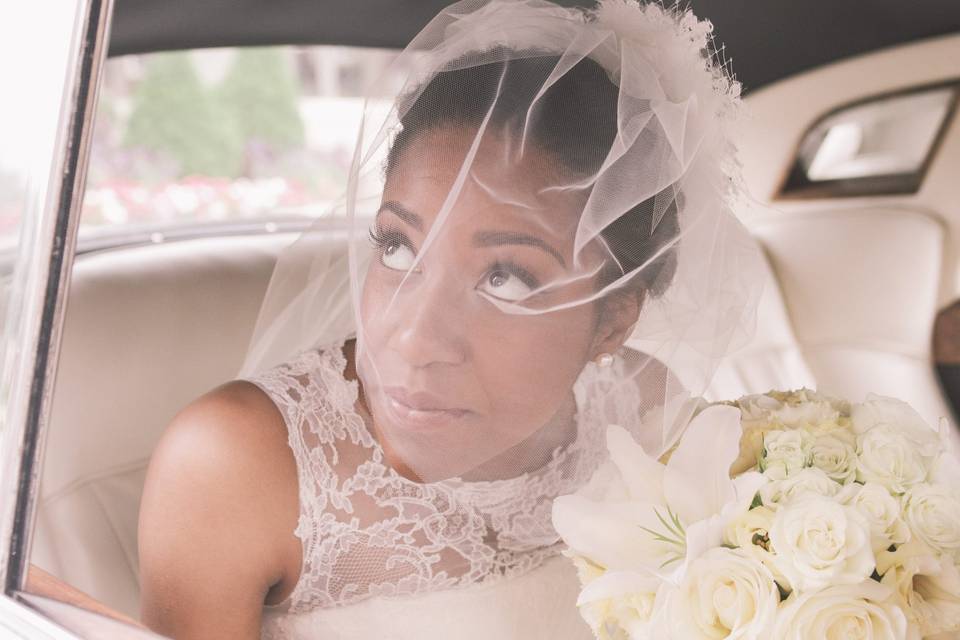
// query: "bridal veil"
[[544, 218]]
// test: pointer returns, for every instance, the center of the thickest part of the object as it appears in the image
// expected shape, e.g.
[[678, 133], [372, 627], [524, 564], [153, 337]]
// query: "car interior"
[[851, 150]]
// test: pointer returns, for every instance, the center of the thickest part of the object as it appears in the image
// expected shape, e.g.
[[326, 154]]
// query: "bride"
[[540, 243]]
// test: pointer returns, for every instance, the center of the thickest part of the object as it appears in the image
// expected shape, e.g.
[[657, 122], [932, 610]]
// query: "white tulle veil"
[[545, 218]]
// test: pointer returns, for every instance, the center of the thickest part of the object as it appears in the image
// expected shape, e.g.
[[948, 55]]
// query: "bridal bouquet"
[[784, 515]]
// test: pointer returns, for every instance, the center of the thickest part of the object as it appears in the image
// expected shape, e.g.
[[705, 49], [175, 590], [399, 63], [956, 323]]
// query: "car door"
[[50, 58]]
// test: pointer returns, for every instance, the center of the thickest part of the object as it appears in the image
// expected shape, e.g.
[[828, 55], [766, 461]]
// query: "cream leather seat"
[[848, 308], [860, 287], [150, 328], [771, 359], [147, 330]]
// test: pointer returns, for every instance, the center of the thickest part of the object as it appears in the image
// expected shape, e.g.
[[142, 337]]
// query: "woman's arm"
[[217, 518]]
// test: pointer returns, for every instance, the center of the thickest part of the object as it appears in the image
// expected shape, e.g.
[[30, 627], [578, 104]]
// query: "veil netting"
[[535, 241]]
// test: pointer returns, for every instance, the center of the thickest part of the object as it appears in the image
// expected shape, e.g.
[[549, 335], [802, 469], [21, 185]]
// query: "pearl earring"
[[604, 360]]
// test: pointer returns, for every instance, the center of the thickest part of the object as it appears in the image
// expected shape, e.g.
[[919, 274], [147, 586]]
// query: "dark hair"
[[575, 121]]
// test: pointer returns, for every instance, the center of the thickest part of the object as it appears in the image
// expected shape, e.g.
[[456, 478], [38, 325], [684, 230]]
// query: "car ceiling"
[[765, 39]]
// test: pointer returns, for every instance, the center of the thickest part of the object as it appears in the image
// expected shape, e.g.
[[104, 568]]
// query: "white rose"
[[804, 482], [818, 542], [881, 510], [755, 423], [823, 404], [743, 529], [750, 531], [814, 415], [836, 454], [865, 611], [784, 452], [933, 514], [751, 448], [758, 407], [945, 469], [888, 457], [619, 604], [804, 394], [926, 585], [878, 411], [724, 594]]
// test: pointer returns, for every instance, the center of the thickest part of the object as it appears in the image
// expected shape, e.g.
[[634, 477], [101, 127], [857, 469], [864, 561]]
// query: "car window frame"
[[795, 186], [53, 213]]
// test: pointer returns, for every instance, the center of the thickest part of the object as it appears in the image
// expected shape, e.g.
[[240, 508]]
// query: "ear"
[[618, 314]]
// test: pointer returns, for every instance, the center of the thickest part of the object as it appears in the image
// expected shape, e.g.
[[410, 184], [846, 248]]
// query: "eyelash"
[[516, 270], [382, 237]]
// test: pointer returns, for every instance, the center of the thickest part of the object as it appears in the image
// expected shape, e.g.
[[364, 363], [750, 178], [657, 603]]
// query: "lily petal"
[[747, 484], [615, 584], [642, 474], [697, 481], [611, 534], [701, 536]]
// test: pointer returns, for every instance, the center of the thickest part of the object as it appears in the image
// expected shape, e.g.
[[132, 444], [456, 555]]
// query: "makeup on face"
[[456, 349]]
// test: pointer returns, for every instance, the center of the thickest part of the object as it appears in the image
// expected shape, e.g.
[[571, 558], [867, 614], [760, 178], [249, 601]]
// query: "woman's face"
[[451, 378]]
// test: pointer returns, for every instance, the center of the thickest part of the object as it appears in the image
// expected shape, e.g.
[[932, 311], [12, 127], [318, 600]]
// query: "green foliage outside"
[[174, 115], [214, 131], [260, 96]]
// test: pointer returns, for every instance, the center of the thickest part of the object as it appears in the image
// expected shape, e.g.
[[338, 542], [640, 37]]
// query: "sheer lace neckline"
[[367, 530]]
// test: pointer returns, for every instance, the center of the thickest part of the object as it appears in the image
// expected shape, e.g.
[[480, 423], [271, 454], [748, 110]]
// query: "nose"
[[426, 322]]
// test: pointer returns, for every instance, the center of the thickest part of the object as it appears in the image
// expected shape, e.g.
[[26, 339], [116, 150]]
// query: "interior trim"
[[794, 185]]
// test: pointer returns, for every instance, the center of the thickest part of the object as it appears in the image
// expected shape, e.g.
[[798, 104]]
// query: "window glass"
[[30, 118], [889, 137], [225, 135], [876, 147]]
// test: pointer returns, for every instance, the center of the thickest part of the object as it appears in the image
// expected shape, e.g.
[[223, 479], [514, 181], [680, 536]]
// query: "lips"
[[421, 409]]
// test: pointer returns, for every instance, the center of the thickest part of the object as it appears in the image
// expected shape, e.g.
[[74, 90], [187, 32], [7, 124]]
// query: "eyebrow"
[[403, 213], [498, 238]]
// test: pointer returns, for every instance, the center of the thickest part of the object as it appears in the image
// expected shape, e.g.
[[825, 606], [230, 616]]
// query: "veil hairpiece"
[[673, 152]]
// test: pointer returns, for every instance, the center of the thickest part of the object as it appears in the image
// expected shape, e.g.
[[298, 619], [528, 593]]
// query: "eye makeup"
[[511, 268], [382, 237], [391, 242]]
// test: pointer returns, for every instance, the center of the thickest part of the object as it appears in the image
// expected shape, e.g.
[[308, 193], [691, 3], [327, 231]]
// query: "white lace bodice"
[[367, 531]]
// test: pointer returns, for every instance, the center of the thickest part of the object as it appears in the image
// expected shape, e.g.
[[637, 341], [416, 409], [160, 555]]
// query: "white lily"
[[641, 515]]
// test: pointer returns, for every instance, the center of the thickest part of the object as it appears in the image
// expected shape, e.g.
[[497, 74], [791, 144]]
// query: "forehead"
[[494, 182]]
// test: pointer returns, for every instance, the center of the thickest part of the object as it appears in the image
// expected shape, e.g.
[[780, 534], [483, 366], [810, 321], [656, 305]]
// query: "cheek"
[[529, 364], [375, 295], [368, 295]]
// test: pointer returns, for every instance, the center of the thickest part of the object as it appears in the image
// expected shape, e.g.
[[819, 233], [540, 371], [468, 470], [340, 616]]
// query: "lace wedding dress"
[[604, 137], [386, 557]]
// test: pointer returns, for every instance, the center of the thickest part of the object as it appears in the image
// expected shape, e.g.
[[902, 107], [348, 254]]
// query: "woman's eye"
[[397, 256], [504, 285]]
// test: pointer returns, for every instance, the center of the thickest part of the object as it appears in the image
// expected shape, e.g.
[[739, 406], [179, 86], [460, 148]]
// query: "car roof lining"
[[765, 40]]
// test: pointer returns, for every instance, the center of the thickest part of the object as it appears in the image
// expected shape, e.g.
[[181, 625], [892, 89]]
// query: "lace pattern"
[[368, 531]]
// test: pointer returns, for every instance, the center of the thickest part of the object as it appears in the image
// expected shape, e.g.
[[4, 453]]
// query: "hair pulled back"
[[574, 121]]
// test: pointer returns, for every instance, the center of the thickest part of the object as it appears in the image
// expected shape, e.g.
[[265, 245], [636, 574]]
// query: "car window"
[[28, 174], [48, 60], [225, 135]]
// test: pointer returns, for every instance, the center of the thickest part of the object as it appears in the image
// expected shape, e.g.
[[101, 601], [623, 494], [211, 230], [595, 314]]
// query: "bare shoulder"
[[234, 435], [236, 421], [219, 507]]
